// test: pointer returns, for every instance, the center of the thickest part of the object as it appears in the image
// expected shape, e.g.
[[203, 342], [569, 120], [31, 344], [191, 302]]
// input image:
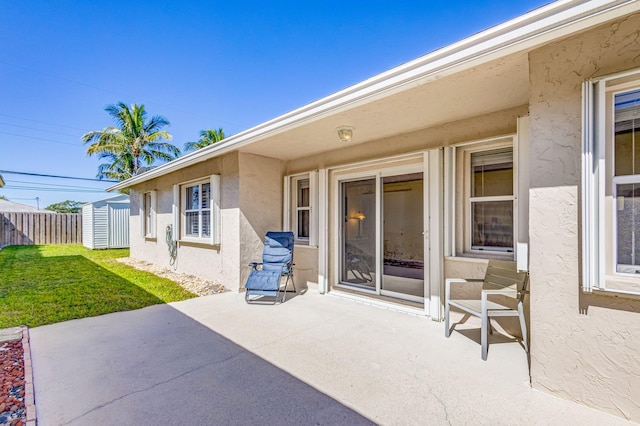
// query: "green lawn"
[[48, 284]]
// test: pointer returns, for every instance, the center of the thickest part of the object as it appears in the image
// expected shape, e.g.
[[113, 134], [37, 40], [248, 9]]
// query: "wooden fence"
[[40, 228]]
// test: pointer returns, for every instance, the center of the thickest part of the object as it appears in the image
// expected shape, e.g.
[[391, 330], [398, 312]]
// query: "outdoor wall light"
[[345, 133]]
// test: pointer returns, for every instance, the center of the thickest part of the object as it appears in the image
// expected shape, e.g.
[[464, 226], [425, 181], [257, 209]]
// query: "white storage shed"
[[105, 223]]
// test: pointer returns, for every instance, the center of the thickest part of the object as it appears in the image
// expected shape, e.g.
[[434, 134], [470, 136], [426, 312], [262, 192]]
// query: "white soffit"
[[540, 26]]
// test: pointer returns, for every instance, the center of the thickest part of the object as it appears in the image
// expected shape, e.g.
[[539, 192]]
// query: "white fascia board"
[[520, 34]]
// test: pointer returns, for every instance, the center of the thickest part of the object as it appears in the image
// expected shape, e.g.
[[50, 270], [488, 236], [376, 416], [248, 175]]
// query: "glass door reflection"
[[402, 236], [359, 232]]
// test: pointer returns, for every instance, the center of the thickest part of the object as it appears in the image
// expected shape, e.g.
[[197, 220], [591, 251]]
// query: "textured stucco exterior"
[[583, 347], [251, 200]]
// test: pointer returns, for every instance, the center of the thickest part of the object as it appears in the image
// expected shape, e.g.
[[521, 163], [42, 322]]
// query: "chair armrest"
[[254, 265]]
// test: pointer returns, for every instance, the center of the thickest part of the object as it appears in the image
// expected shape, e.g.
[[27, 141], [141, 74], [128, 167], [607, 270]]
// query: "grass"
[[47, 284]]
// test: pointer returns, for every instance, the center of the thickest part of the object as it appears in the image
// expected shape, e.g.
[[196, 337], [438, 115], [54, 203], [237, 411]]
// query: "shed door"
[[118, 226]]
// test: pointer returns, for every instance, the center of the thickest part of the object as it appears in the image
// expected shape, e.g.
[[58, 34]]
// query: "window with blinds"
[[491, 200]]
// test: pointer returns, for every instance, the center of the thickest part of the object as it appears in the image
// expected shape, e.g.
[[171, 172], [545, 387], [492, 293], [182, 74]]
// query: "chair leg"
[[523, 327], [484, 338], [447, 310], [284, 293]]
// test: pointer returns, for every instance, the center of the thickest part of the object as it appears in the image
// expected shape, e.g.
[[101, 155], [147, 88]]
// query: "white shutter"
[[175, 211], [434, 232], [153, 208], [593, 167], [286, 204], [313, 214], [216, 226], [141, 215], [323, 230], [521, 157], [449, 201]]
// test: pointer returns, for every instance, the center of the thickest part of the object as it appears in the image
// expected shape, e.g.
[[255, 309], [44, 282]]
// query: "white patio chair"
[[501, 278]]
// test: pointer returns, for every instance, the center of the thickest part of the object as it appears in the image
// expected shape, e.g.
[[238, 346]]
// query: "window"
[[300, 216], [197, 210], [626, 180], [199, 205], [303, 209], [480, 187], [148, 214], [491, 200], [611, 184]]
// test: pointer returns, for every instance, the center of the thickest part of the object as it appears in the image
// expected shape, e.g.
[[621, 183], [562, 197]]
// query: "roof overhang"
[[529, 31]]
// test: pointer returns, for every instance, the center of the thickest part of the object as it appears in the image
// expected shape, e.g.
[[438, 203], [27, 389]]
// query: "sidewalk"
[[315, 359]]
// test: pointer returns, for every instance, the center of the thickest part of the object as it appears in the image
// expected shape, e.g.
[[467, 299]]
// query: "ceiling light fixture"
[[345, 133]]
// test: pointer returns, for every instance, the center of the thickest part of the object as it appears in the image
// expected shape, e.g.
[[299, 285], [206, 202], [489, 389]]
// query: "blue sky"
[[209, 64]]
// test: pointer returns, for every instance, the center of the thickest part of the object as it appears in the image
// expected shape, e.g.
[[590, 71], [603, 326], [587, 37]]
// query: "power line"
[[42, 122], [40, 139], [39, 130], [53, 184], [41, 189], [9, 172]]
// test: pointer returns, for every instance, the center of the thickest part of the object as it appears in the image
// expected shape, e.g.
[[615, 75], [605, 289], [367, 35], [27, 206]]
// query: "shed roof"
[[11, 207], [122, 198]]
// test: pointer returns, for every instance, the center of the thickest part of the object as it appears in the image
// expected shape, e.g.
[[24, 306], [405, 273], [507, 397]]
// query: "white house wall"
[[218, 263], [260, 205], [251, 200], [584, 347]]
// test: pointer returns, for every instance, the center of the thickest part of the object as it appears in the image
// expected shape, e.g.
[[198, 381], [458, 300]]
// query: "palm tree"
[[207, 137], [132, 142]]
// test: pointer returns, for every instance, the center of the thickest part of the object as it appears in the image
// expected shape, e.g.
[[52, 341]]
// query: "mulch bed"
[[12, 384]]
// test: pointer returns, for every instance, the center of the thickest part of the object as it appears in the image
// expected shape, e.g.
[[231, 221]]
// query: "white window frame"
[[291, 209], [459, 157], [295, 205], [214, 237], [147, 210], [599, 222], [471, 200]]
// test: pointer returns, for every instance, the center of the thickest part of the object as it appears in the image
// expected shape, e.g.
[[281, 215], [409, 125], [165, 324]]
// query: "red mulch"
[[12, 384]]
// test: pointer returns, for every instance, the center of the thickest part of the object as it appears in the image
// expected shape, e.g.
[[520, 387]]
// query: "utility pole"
[[38, 202]]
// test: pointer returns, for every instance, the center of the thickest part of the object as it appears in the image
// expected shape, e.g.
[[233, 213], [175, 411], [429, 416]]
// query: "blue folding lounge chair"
[[277, 261]]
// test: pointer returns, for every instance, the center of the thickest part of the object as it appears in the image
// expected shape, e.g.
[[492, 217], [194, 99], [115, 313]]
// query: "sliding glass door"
[[359, 232], [381, 234], [402, 236]]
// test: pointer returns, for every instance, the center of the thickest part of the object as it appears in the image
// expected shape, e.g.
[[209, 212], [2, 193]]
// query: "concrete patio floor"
[[312, 360]]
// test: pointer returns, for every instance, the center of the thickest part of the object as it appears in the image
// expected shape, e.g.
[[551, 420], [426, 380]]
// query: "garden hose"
[[172, 245]]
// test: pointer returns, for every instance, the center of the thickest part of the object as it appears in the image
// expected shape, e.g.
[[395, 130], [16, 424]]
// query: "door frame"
[[430, 163]]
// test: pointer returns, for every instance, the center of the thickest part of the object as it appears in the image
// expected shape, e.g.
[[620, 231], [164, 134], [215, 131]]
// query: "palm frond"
[[131, 141]]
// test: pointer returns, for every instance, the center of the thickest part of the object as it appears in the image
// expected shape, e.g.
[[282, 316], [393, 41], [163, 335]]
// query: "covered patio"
[[325, 359]]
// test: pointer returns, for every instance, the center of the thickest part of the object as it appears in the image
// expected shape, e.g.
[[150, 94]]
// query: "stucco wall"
[[260, 199], [219, 263], [583, 347]]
